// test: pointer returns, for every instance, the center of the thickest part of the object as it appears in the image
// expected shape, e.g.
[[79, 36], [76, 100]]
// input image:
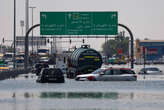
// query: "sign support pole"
[[132, 39], [26, 60]]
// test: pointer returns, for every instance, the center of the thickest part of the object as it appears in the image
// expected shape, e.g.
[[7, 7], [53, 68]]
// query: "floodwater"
[[24, 93]]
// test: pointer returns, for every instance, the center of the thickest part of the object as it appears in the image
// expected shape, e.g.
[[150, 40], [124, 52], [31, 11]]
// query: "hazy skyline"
[[143, 17]]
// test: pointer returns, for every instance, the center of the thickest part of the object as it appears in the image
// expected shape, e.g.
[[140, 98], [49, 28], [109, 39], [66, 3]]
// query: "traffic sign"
[[78, 23]]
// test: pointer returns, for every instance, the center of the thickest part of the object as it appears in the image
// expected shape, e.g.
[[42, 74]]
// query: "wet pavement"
[[23, 93]]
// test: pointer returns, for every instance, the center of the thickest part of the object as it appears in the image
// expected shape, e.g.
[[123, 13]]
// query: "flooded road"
[[25, 94]]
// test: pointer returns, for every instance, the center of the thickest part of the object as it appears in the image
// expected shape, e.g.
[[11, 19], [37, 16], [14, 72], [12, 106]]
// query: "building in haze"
[[153, 49]]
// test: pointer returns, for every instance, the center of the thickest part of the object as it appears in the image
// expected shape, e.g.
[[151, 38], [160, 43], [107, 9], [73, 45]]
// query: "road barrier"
[[12, 73]]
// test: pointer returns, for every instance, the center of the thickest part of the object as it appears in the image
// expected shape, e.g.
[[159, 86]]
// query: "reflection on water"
[[81, 101], [71, 95], [83, 95]]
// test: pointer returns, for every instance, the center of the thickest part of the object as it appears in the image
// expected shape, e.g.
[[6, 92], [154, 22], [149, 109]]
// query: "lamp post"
[[22, 25], [32, 25], [14, 31]]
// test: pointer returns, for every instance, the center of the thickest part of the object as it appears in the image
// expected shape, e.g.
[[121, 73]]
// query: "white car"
[[109, 74], [150, 71]]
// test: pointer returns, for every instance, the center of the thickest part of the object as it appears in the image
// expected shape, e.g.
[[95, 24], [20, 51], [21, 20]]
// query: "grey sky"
[[144, 17]]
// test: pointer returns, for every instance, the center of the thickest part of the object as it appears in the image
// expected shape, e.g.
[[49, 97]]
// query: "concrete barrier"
[[12, 73]]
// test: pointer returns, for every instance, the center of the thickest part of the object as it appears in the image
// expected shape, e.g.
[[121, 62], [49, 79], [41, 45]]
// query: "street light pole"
[[32, 25], [14, 31], [22, 25]]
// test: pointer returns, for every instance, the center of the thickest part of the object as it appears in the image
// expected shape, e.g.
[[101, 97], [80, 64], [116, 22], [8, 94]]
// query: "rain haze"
[[145, 18]]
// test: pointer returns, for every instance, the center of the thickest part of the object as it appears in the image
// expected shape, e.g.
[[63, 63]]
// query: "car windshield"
[[43, 50], [152, 69], [97, 71], [7, 56], [19, 61]]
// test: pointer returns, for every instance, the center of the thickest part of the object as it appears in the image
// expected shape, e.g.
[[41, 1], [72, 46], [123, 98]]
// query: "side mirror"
[[101, 73], [142, 72]]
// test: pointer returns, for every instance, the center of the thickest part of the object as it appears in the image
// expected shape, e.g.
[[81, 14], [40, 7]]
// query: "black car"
[[38, 67], [51, 75]]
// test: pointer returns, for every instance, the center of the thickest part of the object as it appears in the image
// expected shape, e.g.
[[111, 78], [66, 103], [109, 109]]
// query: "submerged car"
[[109, 74], [150, 71], [38, 67], [51, 75]]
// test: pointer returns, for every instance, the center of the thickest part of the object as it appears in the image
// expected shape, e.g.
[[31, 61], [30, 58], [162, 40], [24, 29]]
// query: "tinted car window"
[[46, 71], [97, 71], [153, 69], [127, 72], [108, 72], [37, 65], [142, 69], [45, 66], [19, 61], [116, 72]]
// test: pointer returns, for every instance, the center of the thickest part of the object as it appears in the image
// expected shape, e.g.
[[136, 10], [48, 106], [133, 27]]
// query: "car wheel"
[[77, 78]]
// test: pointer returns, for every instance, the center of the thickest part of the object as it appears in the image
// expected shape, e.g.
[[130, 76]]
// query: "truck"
[[83, 60]]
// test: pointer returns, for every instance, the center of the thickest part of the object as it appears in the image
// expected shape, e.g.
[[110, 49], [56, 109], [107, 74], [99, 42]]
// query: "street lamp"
[[32, 24], [14, 30], [22, 25]]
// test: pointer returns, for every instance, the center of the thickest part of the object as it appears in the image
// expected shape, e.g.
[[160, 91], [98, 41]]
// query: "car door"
[[106, 75], [117, 75]]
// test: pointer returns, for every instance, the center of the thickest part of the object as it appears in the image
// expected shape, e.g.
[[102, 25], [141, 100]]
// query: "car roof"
[[119, 68], [150, 68]]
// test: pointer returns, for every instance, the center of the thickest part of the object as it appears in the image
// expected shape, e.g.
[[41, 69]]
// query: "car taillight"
[[135, 76], [91, 78]]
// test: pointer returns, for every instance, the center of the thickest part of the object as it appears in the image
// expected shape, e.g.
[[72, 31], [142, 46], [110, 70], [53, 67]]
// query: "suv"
[[51, 75]]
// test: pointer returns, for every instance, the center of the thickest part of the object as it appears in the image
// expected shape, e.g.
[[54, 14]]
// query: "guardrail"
[[12, 73]]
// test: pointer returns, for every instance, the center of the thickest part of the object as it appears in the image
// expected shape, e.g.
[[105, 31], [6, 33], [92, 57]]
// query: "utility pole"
[[32, 25]]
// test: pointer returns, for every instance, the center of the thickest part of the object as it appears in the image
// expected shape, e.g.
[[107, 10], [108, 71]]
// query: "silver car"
[[150, 71], [109, 74]]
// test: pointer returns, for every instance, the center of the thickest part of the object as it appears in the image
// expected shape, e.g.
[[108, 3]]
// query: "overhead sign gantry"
[[78, 23]]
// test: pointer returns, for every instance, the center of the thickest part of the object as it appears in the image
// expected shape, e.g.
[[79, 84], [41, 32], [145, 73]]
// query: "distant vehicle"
[[8, 57], [1, 55], [51, 75], [150, 71], [43, 52], [20, 55], [4, 67], [109, 74], [38, 66], [43, 60], [115, 61], [10, 65], [19, 62]]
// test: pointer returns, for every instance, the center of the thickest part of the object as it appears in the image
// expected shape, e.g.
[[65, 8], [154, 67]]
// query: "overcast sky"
[[144, 17]]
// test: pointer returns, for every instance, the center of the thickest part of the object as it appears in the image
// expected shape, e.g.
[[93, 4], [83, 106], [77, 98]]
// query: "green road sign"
[[78, 23]]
